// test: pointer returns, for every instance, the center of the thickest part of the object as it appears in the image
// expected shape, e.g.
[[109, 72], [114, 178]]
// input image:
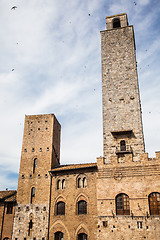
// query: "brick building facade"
[[116, 198]]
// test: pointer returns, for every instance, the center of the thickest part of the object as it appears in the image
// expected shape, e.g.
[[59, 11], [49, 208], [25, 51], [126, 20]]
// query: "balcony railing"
[[124, 149]]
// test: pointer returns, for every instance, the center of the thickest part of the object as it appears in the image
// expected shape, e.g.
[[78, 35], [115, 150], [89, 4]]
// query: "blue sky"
[[51, 63]]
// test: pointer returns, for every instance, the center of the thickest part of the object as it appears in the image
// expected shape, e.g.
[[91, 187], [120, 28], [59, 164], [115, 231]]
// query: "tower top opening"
[[116, 21]]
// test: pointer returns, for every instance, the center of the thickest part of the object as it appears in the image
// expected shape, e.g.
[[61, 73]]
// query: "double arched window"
[[58, 236], [81, 182], [154, 203], [60, 208], [122, 204], [61, 184], [82, 207]]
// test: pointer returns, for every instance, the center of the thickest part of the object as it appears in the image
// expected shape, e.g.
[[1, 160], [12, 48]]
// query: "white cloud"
[[54, 49]]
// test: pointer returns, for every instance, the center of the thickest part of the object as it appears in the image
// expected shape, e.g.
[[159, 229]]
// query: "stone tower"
[[122, 122], [40, 153]]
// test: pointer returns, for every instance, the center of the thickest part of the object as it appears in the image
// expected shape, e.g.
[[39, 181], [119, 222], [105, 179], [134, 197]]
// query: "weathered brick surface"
[[41, 140], [71, 224]]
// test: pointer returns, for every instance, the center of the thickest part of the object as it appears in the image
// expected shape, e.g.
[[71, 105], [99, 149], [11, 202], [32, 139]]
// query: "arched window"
[[122, 145], [154, 203], [32, 194], [34, 165], [122, 204], [84, 182], [6, 238], [58, 236], [82, 207], [63, 184], [79, 182], [116, 23], [60, 208], [82, 236], [58, 184]]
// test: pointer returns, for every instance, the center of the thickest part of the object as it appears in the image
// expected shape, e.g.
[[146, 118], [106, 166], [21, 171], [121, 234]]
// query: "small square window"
[[47, 148], [39, 176], [105, 223], [30, 176], [19, 209], [37, 209], [38, 128], [27, 208], [40, 149], [25, 150], [46, 175], [44, 208], [32, 149], [22, 176]]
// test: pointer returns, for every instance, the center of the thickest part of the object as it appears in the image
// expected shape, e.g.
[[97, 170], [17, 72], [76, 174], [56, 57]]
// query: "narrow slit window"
[[32, 194], [34, 165]]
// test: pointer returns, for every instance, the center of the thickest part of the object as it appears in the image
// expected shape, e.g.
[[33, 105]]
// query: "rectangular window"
[[139, 225], [9, 208]]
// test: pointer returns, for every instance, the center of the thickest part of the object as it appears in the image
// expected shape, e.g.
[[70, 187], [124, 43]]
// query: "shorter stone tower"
[[40, 153], [122, 123]]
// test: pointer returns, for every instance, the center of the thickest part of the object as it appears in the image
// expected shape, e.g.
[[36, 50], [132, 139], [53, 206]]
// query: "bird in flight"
[[14, 8]]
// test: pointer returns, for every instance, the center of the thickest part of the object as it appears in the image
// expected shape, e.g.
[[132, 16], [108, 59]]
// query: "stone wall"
[[120, 92]]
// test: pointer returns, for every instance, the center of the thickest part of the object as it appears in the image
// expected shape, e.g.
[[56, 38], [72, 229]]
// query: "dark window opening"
[[123, 145], [60, 208], [116, 23], [82, 207], [82, 236], [154, 203], [32, 194], [58, 236], [30, 227], [34, 165], [122, 204], [9, 208]]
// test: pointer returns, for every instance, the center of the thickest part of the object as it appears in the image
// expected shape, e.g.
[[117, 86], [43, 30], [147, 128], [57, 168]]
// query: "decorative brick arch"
[[59, 226], [60, 198], [82, 228], [82, 196]]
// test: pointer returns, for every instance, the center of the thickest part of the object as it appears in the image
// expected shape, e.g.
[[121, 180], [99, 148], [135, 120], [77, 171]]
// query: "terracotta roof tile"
[[73, 166], [8, 195]]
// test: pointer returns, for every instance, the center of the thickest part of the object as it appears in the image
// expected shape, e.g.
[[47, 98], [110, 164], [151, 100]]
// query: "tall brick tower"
[[40, 153], [122, 122]]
